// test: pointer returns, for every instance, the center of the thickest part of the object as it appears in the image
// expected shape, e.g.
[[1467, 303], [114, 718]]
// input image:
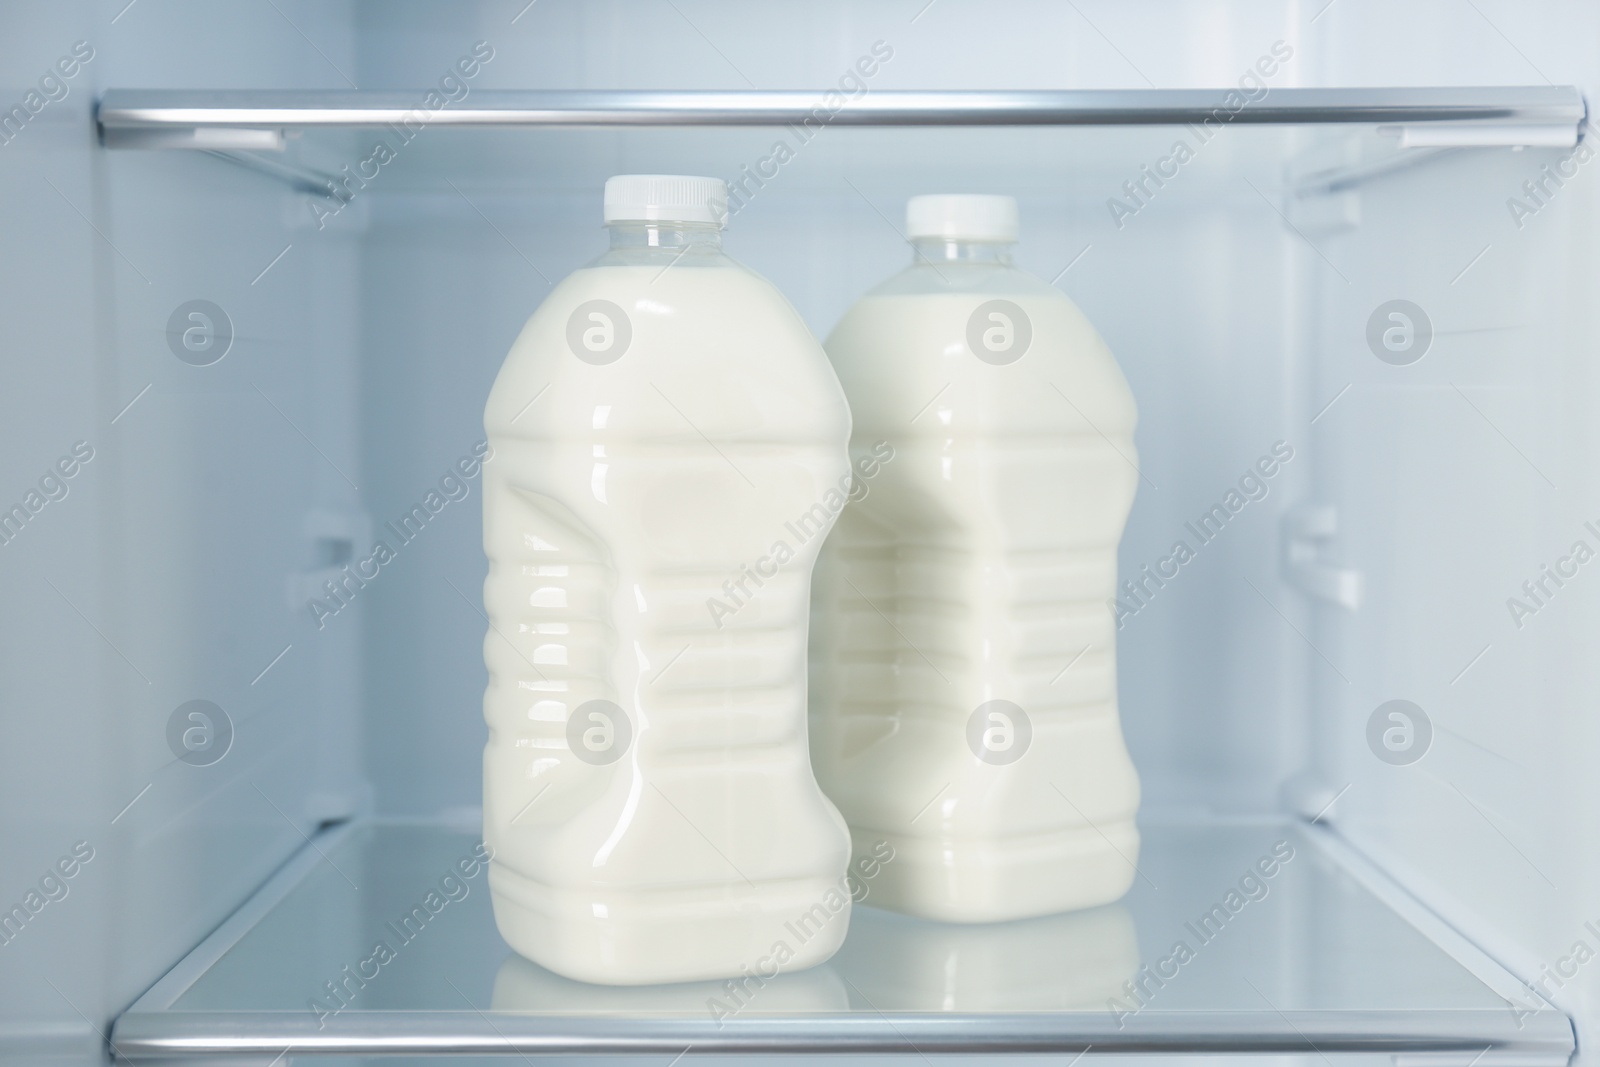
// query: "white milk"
[[651, 457], [978, 568]]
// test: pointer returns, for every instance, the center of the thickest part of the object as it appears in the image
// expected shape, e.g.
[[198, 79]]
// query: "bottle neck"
[[673, 236], [944, 250]]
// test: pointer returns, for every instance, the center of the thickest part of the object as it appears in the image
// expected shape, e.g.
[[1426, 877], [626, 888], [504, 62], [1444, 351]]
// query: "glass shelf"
[[167, 118], [1311, 959], [1088, 143]]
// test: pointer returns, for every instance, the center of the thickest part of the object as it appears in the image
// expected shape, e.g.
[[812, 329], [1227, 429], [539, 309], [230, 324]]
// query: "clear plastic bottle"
[[661, 424], [963, 669]]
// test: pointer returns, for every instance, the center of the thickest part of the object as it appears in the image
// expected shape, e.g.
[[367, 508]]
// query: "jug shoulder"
[[950, 363], [652, 350]]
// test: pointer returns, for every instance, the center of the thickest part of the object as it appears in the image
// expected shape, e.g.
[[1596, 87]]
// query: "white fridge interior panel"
[[183, 560]]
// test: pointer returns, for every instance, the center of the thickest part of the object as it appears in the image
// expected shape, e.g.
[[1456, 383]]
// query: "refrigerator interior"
[[1402, 553]]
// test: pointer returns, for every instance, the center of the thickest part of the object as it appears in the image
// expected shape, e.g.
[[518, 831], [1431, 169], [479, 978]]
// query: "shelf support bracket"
[[1306, 531]]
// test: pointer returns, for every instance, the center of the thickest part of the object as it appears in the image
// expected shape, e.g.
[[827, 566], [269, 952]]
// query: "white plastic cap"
[[957, 217], [666, 198]]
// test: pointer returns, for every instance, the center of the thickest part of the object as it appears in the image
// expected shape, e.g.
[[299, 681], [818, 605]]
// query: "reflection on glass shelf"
[[1074, 962], [1234, 938], [1070, 962], [521, 986]]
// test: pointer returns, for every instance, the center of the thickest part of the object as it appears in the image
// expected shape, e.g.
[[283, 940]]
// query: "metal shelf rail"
[[235, 119]]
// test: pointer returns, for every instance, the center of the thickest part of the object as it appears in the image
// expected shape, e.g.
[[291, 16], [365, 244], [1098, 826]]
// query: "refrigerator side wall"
[[1466, 491], [175, 722]]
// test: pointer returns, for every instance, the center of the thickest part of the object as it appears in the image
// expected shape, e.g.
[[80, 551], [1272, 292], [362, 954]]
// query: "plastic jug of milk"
[[963, 702], [663, 431]]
